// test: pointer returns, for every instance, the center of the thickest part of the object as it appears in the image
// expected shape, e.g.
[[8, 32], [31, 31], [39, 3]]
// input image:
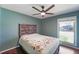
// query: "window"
[[67, 30]]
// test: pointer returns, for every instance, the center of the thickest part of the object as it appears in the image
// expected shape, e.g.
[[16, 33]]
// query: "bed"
[[33, 43]]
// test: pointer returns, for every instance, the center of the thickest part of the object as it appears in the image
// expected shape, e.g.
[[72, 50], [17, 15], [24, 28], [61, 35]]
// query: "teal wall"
[[78, 30], [49, 25], [0, 27], [10, 21]]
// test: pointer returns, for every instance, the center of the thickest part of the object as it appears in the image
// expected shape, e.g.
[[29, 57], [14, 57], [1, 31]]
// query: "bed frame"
[[28, 29]]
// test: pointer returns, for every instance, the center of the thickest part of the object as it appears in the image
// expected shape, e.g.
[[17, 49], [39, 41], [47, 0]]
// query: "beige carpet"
[[65, 50]]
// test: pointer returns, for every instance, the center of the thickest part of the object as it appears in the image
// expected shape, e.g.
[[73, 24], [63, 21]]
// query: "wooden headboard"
[[27, 29]]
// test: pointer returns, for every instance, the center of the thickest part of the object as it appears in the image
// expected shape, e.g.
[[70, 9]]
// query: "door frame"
[[75, 34]]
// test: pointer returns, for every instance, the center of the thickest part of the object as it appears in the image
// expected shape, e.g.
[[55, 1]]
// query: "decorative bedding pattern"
[[38, 42]]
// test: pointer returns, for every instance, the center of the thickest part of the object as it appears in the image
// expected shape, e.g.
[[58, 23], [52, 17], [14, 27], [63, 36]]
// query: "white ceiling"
[[28, 10]]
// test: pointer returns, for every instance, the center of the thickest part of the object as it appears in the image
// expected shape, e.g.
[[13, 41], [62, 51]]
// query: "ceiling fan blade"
[[36, 14], [49, 8], [36, 9], [50, 13]]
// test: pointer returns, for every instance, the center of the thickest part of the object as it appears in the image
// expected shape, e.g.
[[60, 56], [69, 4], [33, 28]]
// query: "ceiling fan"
[[43, 12]]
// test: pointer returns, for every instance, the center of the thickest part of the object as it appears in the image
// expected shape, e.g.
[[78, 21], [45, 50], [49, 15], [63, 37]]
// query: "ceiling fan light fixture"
[[43, 13]]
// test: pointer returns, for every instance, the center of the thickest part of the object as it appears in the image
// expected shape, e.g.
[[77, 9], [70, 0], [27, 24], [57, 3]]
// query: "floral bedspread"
[[38, 42]]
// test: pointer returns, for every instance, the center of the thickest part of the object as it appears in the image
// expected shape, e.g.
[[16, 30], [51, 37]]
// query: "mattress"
[[39, 44]]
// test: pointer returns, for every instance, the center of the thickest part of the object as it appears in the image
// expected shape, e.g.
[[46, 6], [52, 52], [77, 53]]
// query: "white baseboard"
[[8, 49]]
